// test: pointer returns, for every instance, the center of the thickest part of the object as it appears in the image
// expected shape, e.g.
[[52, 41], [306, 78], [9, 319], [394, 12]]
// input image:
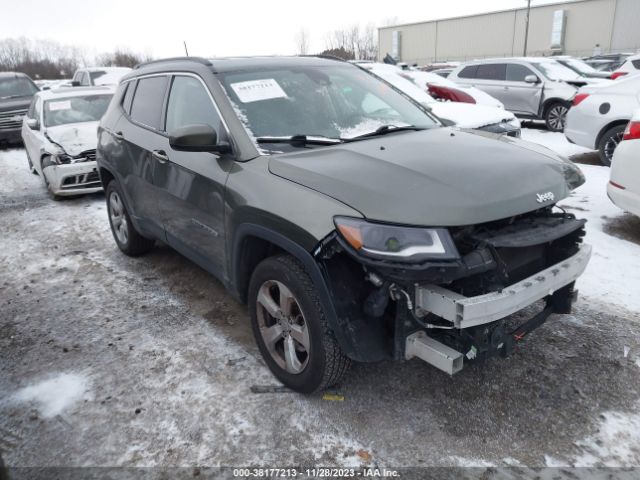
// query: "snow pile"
[[555, 141], [55, 395]]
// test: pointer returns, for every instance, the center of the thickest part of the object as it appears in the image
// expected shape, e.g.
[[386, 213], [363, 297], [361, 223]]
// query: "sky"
[[215, 28]]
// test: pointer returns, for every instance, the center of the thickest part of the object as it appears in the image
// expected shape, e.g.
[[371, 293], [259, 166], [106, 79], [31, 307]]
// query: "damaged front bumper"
[[464, 312], [73, 178]]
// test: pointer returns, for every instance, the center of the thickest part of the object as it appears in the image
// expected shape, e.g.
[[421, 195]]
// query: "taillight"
[[632, 132], [579, 98], [440, 92], [615, 75]]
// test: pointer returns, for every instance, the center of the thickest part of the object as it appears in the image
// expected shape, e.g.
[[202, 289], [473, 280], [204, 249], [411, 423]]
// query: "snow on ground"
[[54, 395], [555, 141]]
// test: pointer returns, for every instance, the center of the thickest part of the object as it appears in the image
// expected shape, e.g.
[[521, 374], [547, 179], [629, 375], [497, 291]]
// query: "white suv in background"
[[629, 67], [600, 114], [531, 87], [624, 185], [98, 76]]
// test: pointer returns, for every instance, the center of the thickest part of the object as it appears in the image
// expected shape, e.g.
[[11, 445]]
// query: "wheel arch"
[[610, 125], [551, 101]]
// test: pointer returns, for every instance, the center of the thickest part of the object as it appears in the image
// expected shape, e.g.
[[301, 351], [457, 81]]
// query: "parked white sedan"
[[624, 184], [60, 136], [600, 113], [460, 114]]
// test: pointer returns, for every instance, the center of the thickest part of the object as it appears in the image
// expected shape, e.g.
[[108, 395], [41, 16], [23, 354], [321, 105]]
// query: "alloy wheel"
[[118, 218], [282, 326], [557, 116]]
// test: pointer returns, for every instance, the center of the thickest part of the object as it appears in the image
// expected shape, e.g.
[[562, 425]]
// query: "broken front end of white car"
[[67, 175]]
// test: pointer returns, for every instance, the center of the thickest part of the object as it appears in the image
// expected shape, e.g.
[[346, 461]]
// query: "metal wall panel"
[[499, 34], [626, 26]]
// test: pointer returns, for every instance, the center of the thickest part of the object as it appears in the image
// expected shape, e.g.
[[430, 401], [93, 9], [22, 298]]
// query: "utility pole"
[[185, 48], [526, 28]]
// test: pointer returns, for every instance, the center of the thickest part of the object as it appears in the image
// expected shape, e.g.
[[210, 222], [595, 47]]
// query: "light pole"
[[526, 28]]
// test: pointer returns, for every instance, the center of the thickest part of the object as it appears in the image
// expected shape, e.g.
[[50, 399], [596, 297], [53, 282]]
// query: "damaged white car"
[[60, 136]]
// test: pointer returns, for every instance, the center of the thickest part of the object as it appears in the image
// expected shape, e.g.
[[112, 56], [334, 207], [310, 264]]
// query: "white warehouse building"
[[578, 27]]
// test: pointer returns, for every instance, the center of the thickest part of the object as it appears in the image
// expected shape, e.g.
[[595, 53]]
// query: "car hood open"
[[75, 138], [437, 177]]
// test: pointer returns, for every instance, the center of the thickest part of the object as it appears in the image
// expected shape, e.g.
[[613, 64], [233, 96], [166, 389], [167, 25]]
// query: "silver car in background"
[[532, 87], [60, 135]]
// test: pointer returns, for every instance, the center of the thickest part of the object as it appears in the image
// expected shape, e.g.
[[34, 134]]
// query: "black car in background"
[[16, 92]]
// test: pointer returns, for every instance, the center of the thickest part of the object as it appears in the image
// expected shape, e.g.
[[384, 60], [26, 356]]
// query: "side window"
[[469, 72], [37, 109], [31, 113], [128, 96], [517, 72], [491, 71], [190, 104], [76, 77], [85, 79], [146, 107], [636, 63]]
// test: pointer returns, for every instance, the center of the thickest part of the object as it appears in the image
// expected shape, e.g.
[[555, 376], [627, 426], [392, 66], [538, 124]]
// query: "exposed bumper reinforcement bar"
[[466, 312]]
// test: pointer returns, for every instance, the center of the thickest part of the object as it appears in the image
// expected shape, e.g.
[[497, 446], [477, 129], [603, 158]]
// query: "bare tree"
[[121, 58], [302, 41], [353, 43]]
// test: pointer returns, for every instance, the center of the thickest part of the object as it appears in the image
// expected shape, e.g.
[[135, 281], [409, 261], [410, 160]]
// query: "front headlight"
[[396, 243], [61, 158], [572, 175]]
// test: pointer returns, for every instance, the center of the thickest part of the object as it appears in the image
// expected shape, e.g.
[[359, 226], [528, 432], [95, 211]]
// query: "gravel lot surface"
[[108, 360]]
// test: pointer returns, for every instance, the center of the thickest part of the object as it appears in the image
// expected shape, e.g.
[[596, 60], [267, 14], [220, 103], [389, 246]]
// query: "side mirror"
[[531, 79], [32, 123], [197, 138], [75, 83]]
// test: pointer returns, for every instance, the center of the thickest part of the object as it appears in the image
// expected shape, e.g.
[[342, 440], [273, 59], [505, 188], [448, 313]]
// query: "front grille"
[[10, 121], [84, 180]]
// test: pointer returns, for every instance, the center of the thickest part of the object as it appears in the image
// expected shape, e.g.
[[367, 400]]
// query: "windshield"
[[338, 102], [62, 111], [579, 65], [556, 71], [16, 87]]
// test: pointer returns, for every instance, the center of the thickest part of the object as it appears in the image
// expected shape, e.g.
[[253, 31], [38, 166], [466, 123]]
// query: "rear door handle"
[[118, 136], [160, 155]]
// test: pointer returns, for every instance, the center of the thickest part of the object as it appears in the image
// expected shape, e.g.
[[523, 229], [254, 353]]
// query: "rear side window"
[[517, 72], [146, 107], [491, 71], [128, 96], [636, 63], [190, 104], [468, 72]]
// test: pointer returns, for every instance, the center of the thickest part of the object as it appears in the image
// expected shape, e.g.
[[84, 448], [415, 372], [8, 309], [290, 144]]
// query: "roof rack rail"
[[200, 60]]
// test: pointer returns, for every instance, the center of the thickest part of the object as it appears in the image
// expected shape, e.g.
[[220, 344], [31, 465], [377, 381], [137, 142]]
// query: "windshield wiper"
[[383, 130], [301, 140]]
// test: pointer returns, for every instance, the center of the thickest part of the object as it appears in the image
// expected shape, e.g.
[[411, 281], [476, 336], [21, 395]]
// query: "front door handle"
[[160, 155], [118, 136]]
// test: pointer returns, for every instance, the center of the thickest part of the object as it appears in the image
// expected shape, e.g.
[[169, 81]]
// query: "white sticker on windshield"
[[256, 90], [64, 105]]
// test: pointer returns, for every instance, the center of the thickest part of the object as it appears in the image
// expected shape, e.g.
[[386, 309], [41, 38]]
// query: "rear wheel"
[[124, 233], [290, 327], [609, 142], [555, 116]]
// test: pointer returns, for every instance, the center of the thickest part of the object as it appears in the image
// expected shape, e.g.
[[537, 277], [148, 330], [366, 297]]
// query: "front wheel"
[[290, 326], [555, 116], [129, 241], [608, 144]]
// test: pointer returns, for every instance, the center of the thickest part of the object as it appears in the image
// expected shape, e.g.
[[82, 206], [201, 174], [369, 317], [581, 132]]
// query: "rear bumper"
[[465, 312], [625, 199], [73, 179]]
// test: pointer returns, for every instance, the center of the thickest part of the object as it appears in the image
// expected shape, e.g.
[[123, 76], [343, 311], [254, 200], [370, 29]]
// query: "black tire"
[[608, 143], [325, 362], [555, 116], [129, 241]]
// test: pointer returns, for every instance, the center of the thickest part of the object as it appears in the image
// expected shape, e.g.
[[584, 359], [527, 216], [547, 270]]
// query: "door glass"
[[190, 104], [469, 72], [128, 96], [147, 101], [491, 71], [517, 72], [85, 79]]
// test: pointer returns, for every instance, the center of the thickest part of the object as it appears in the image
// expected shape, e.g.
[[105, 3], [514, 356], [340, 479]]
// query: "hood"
[[468, 115], [75, 138], [437, 177], [19, 103]]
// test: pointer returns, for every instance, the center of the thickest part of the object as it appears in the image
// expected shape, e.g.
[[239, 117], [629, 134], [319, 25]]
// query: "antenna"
[[185, 48]]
